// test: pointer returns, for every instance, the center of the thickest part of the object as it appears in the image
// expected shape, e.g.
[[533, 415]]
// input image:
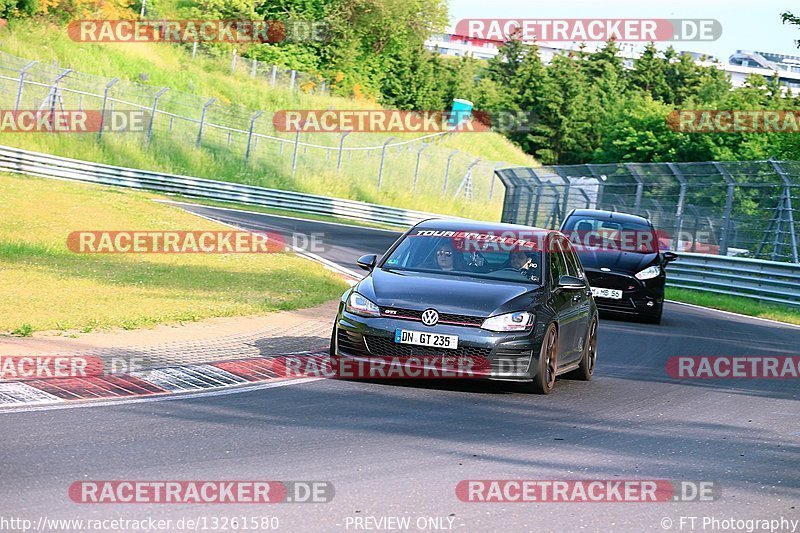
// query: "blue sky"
[[752, 25]]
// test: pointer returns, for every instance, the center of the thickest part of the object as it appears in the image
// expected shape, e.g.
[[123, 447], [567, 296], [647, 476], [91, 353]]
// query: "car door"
[[561, 302], [581, 300]]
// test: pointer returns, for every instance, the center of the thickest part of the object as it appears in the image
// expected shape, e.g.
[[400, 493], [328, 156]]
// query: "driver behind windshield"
[[445, 256], [527, 263]]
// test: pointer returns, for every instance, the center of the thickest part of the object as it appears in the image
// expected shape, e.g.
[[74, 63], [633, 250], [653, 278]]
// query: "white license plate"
[[434, 340], [612, 294]]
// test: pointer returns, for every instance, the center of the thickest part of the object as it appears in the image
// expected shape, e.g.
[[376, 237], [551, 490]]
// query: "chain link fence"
[[744, 208], [404, 166]]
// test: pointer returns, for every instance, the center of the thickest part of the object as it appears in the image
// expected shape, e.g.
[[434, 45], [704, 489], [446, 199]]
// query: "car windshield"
[[468, 254], [588, 233]]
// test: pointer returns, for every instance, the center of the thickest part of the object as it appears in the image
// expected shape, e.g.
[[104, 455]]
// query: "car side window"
[[558, 265], [574, 267]]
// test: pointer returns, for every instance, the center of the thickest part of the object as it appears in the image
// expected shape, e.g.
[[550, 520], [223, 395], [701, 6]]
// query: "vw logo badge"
[[430, 317]]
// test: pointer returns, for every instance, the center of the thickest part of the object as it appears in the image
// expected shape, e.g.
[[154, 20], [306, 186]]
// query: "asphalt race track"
[[398, 449]]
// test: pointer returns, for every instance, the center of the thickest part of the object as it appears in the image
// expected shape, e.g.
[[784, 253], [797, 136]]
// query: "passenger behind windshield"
[[447, 255]]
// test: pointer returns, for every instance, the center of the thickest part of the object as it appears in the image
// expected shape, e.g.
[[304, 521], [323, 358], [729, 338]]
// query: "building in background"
[[740, 65]]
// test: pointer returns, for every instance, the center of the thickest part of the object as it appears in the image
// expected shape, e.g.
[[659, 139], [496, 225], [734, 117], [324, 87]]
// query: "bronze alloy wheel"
[[545, 379]]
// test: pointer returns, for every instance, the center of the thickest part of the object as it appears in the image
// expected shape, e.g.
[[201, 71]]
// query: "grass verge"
[[735, 304], [44, 286], [144, 68]]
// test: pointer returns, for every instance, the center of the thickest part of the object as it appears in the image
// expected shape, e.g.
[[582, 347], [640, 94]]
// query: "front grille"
[[352, 343], [444, 318], [623, 306], [611, 281], [385, 347]]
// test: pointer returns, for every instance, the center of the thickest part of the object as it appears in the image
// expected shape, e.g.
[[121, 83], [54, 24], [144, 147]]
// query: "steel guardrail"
[[767, 281], [50, 166]]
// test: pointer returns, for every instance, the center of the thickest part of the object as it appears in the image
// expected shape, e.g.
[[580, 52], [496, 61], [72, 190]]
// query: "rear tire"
[[545, 378], [585, 371]]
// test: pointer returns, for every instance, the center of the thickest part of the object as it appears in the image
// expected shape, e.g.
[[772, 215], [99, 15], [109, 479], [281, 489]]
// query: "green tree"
[[681, 76], [504, 66], [791, 18], [648, 74]]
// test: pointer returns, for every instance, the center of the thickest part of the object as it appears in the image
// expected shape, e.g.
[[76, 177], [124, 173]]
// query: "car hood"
[[446, 293], [617, 261]]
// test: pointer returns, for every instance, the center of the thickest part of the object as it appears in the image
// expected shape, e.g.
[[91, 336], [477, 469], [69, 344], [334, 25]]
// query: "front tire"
[[332, 349], [545, 379]]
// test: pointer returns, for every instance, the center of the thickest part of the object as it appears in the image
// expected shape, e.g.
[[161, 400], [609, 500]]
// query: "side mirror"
[[367, 262], [670, 257], [571, 283]]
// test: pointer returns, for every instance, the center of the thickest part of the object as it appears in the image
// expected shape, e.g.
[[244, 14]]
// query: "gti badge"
[[430, 317], [604, 269]]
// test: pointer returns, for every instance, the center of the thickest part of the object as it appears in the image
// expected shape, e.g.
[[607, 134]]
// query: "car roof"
[[451, 224], [611, 215]]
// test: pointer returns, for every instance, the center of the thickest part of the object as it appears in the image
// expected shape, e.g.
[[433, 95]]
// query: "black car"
[[621, 256], [514, 296]]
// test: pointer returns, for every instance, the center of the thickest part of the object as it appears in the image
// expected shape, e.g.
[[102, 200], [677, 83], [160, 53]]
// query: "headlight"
[[649, 273], [519, 321], [358, 305]]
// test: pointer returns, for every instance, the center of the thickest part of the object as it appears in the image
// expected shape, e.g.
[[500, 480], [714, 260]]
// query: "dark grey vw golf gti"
[[513, 296]]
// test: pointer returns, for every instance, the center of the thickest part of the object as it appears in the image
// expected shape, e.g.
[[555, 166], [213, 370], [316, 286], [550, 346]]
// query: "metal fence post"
[[105, 101], [274, 75], [466, 183], [639, 185], [600, 182], [567, 187], [447, 170], [296, 146], [494, 177], [380, 165], [203, 120], [54, 91], [788, 188], [253, 69], [250, 133], [233, 62], [681, 199], [194, 49], [153, 112], [726, 227], [22, 73], [291, 80], [341, 149], [416, 167]]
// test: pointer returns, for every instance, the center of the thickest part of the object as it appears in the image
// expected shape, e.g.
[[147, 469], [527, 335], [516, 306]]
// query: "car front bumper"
[[497, 356], [639, 298]]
